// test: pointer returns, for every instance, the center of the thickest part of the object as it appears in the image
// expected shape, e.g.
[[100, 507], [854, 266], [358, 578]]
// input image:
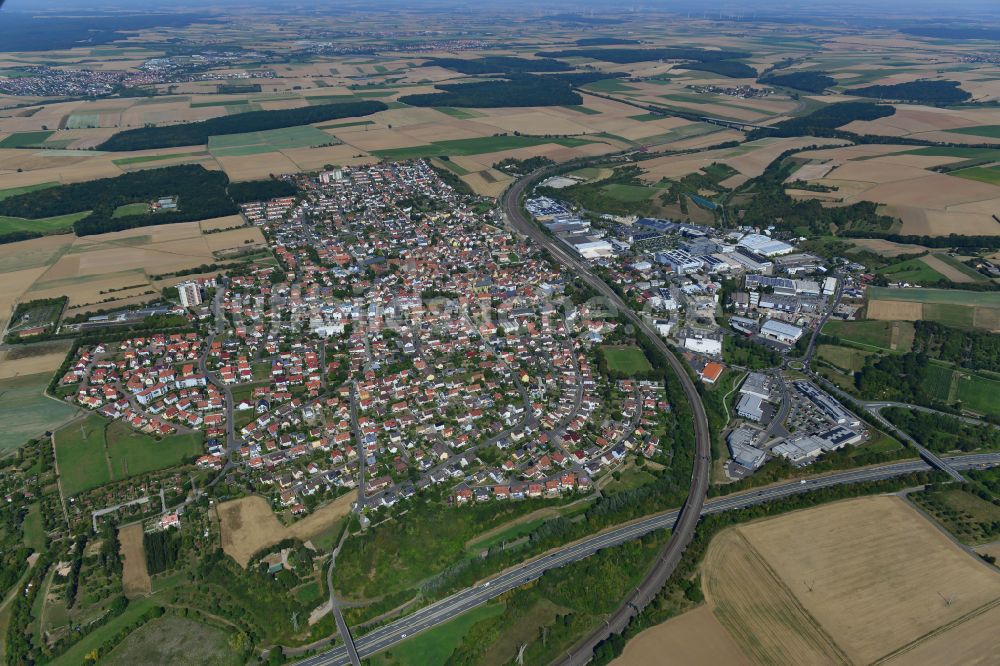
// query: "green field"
[[26, 411], [877, 334], [81, 457], [977, 393], [846, 358], [477, 146], [25, 139], [34, 531], [510, 534], [987, 174], [452, 166], [435, 646], [627, 361], [14, 191], [135, 453], [991, 131], [608, 86], [462, 114], [45, 225], [219, 102], [968, 271], [254, 143], [961, 513], [97, 451], [354, 123], [131, 209], [141, 159], [173, 640], [957, 151], [939, 380], [911, 270], [953, 296], [83, 121], [582, 109], [629, 193]]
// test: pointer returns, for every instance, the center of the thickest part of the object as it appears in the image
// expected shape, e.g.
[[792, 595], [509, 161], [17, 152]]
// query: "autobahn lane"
[[691, 510], [446, 609]]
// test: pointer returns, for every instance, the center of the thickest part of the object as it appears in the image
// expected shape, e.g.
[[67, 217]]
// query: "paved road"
[[450, 607], [691, 511]]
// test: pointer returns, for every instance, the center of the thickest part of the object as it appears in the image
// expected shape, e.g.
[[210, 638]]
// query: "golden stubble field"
[[860, 581], [135, 576], [248, 525]]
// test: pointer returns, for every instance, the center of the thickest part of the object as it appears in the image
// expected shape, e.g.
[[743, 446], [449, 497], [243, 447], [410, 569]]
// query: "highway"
[[446, 609], [691, 511]]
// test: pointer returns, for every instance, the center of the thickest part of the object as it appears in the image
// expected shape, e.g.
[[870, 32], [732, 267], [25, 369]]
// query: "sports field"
[[628, 360]]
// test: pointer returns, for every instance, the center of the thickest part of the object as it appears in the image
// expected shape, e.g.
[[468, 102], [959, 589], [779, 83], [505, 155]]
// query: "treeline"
[[18, 236], [190, 134], [769, 203], [201, 195], [951, 240], [814, 82], [942, 433], [824, 120], [917, 92], [73, 580], [162, 550], [731, 68], [260, 190], [627, 56], [975, 350], [499, 65], [522, 90]]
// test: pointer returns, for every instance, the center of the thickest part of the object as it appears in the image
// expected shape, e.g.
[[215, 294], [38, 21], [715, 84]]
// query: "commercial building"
[[757, 384], [780, 331], [827, 404], [678, 261], [750, 407], [765, 245], [742, 450], [799, 449], [711, 372], [704, 344]]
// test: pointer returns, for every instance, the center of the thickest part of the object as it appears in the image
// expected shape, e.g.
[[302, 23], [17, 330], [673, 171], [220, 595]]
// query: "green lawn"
[[843, 357], [911, 270], [25, 139], [991, 131], [14, 191], [45, 225], [630, 478], [984, 174], [81, 457], [131, 209], [872, 333], [433, 647], [34, 532], [485, 144], [135, 453], [628, 360], [977, 393]]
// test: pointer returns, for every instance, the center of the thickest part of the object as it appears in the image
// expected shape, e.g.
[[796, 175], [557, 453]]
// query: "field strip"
[[937, 632]]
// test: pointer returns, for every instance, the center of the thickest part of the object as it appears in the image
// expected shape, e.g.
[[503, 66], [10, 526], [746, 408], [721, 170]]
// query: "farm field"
[[135, 577], [888, 335], [629, 361], [26, 411], [133, 453], [849, 567], [255, 143], [695, 637], [249, 525], [961, 309], [476, 146], [80, 454], [174, 640], [843, 357]]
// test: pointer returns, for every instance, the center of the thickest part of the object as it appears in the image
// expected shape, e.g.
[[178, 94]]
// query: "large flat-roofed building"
[[750, 407], [678, 261], [765, 245], [780, 331], [703, 344], [827, 404], [758, 384], [799, 449]]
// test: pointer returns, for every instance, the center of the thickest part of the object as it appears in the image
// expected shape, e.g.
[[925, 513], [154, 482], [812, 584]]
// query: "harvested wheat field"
[[695, 637], [895, 310], [872, 573], [32, 359], [135, 577], [248, 525], [757, 608]]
